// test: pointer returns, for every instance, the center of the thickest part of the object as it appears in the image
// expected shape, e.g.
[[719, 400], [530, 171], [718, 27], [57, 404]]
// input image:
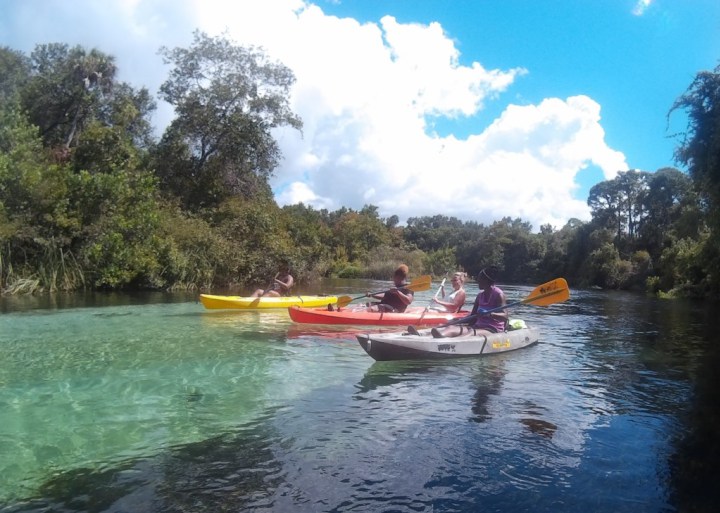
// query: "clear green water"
[[86, 387], [155, 404]]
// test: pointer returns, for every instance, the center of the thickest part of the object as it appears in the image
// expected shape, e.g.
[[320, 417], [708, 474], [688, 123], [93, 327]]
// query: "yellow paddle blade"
[[420, 283], [423, 282], [555, 291], [343, 301]]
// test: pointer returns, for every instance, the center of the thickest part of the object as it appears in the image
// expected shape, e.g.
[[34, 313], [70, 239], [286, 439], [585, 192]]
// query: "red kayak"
[[417, 316]]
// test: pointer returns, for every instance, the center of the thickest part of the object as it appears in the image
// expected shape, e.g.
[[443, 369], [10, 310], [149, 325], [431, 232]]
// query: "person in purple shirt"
[[490, 296]]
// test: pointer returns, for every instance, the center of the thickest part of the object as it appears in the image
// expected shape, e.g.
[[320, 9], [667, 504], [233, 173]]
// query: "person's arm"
[[286, 283], [405, 297], [445, 304], [502, 314], [475, 304]]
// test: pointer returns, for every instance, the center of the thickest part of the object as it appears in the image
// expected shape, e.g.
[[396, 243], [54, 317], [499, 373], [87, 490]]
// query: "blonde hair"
[[461, 275]]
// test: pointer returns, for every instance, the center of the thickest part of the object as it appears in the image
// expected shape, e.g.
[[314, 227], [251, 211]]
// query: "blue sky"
[[633, 57], [473, 109]]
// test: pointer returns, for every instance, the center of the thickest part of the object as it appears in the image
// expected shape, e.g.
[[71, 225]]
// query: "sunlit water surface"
[[161, 405]]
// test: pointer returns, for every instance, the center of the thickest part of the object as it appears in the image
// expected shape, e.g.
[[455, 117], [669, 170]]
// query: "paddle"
[[266, 289], [420, 283], [442, 284], [555, 291]]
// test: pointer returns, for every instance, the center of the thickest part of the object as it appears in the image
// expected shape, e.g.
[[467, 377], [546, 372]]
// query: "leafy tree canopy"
[[66, 89], [700, 147], [227, 99]]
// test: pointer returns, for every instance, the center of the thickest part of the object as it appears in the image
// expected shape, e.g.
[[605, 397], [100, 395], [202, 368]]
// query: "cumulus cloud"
[[368, 94]]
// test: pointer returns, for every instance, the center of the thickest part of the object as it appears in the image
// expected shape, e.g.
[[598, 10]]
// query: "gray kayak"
[[405, 346]]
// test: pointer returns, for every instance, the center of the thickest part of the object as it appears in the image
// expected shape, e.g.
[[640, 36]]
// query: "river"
[[150, 403]]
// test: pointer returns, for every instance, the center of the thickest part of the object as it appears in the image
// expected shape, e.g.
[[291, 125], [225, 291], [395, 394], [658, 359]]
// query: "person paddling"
[[490, 296], [397, 299], [280, 286], [454, 301]]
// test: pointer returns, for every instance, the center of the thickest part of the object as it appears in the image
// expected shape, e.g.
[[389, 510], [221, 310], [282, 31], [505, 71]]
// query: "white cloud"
[[641, 6], [368, 93]]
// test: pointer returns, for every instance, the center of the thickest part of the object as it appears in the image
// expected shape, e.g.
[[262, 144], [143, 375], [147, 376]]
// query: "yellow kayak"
[[261, 303]]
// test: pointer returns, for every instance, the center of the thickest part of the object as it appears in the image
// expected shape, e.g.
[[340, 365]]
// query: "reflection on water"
[[164, 406], [485, 388]]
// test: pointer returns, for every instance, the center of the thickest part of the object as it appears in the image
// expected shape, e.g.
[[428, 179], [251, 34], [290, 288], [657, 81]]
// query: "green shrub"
[[350, 271]]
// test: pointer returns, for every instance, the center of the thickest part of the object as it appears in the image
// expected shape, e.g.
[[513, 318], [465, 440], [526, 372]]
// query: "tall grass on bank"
[[54, 270]]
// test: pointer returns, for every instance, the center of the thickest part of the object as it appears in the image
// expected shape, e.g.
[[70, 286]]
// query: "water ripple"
[[166, 407]]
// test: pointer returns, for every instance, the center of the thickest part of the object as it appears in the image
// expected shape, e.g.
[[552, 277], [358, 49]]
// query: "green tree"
[[66, 91], [119, 246], [311, 237], [14, 73], [442, 262], [699, 151], [522, 250], [618, 204], [74, 190], [606, 269], [433, 233], [359, 232], [562, 252], [120, 134], [673, 211], [37, 223], [258, 239], [227, 99]]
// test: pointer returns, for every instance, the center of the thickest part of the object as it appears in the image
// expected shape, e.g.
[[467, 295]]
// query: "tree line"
[[90, 199]]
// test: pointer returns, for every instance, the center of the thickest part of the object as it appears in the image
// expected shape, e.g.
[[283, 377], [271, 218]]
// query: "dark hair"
[[491, 273]]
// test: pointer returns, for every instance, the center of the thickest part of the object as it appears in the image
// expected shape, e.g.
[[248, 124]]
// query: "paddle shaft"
[[420, 283], [269, 287], [442, 284]]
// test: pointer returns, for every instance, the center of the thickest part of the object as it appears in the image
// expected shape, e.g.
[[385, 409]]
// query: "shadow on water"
[[487, 374], [695, 466], [485, 389], [388, 374], [232, 472]]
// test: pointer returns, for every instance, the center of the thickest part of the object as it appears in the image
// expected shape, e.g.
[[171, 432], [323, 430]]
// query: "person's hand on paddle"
[[420, 283]]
